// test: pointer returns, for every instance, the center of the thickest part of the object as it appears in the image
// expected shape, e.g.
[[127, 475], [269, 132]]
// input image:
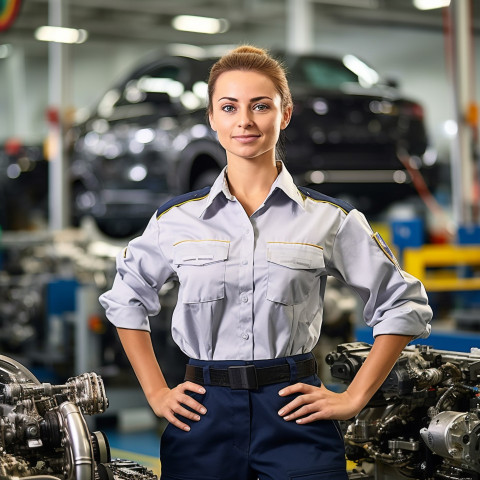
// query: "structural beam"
[[300, 26], [58, 94], [462, 160]]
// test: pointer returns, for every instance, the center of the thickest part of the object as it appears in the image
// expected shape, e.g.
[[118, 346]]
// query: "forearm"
[[377, 366], [165, 402], [139, 350]]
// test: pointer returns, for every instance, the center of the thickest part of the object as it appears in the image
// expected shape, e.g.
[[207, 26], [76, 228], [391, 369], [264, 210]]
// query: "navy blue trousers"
[[242, 437]]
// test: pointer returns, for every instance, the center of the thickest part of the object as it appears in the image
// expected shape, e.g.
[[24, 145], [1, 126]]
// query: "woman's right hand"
[[169, 402]]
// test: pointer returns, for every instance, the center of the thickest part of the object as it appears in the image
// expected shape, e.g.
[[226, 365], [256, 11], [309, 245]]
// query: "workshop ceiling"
[[150, 20]]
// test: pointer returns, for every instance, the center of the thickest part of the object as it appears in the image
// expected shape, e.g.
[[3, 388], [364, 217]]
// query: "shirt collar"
[[220, 185], [284, 182]]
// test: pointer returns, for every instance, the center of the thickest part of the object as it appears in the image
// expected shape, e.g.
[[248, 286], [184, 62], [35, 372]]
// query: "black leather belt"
[[250, 377]]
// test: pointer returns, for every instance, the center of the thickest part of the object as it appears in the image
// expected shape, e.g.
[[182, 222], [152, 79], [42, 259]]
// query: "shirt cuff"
[[122, 316], [400, 326]]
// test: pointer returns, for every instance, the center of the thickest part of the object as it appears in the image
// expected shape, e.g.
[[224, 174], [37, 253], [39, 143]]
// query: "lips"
[[246, 138]]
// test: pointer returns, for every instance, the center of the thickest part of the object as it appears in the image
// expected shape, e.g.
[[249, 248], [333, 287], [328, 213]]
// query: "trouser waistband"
[[252, 374]]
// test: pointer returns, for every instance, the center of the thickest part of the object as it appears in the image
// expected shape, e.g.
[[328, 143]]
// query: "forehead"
[[239, 83]]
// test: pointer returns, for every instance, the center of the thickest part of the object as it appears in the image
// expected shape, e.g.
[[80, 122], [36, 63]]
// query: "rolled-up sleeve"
[[395, 302], [142, 269]]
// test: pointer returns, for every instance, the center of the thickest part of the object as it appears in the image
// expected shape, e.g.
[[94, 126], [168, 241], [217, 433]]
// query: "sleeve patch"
[[386, 249]]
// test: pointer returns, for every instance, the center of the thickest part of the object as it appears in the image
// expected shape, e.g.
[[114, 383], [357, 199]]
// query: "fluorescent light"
[[430, 4], [190, 23], [60, 34]]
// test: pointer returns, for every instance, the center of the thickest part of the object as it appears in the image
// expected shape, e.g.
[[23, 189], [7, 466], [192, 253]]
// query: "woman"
[[252, 254]]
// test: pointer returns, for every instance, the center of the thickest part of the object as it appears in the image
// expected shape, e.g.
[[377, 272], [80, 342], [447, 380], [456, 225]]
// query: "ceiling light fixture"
[[430, 4], [60, 34], [190, 23]]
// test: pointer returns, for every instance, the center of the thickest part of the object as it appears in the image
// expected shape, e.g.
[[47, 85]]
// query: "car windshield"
[[323, 72]]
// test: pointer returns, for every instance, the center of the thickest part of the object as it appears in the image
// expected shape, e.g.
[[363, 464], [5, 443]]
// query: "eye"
[[228, 108], [260, 107]]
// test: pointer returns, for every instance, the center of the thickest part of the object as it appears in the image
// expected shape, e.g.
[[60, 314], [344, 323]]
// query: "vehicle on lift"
[[149, 139]]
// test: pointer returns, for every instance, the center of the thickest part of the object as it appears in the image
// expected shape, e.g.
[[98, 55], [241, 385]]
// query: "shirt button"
[[245, 336], [244, 298], [244, 262]]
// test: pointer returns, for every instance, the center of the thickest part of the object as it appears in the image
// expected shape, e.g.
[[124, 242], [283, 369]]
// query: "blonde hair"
[[249, 58]]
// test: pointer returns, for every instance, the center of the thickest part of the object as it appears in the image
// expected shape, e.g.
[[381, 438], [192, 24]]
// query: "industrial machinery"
[[424, 421], [43, 432]]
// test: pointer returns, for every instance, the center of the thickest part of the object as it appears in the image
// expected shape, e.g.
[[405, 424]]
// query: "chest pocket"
[[293, 270], [201, 269]]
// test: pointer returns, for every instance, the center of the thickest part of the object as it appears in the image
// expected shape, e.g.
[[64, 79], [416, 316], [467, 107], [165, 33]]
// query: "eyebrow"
[[254, 99]]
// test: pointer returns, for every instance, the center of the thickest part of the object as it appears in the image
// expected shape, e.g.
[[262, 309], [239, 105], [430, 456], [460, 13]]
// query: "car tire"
[[205, 179]]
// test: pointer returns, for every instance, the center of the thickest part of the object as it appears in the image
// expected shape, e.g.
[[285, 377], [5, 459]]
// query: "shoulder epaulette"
[[320, 197], [181, 199]]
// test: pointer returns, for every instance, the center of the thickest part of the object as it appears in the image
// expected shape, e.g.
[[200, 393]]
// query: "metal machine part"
[[424, 421], [43, 432]]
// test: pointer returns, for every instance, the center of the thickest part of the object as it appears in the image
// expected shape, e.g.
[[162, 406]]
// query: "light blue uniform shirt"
[[252, 287]]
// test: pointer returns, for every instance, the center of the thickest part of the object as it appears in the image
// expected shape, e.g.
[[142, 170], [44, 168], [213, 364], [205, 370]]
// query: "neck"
[[250, 181]]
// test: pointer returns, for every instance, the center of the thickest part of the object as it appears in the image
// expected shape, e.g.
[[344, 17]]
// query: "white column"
[[17, 81], [300, 26], [87, 347], [59, 197], [462, 149]]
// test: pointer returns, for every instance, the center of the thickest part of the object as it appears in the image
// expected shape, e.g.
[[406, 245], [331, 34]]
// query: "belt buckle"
[[243, 377]]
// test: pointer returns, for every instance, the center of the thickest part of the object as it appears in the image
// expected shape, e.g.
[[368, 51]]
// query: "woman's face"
[[247, 114]]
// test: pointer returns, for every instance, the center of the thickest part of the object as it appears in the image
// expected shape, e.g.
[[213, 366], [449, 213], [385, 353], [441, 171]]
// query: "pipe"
[[79, 439]]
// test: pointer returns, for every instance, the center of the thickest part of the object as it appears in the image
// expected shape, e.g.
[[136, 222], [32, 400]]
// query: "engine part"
[[43, 432], [424, 421]]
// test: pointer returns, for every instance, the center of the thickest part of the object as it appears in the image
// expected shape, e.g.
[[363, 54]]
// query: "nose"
[[245, 120]]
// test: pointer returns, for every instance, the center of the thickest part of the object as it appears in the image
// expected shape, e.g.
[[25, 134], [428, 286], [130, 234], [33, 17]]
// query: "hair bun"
[[250, 49]]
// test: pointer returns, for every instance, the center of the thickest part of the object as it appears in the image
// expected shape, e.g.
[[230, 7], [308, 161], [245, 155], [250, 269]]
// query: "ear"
[[287, 115], [212, 123]]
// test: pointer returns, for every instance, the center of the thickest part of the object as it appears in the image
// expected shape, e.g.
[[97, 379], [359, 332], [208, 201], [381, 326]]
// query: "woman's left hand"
[[317, 403]]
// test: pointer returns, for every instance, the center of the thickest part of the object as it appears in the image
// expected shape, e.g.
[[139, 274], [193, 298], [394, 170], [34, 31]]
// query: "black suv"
[[148, 139]]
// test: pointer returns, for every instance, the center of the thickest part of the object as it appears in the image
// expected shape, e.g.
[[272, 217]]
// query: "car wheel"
[[205, 179], [120, 228]]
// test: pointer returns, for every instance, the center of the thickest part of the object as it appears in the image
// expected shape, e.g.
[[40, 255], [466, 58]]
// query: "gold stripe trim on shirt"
[[183, 203], [205, 240], [299, 243], [322, 201]]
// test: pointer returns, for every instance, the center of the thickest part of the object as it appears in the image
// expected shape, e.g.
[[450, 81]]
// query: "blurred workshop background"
[[102, 120]]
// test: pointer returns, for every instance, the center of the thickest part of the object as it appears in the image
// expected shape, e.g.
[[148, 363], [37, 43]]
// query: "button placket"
[[245, 319]]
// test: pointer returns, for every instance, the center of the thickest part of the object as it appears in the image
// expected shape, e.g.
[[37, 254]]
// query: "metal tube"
[[80, 443]]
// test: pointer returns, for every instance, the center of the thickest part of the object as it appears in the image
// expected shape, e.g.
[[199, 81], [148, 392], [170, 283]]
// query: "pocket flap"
[[295, 255], [200, 252]]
